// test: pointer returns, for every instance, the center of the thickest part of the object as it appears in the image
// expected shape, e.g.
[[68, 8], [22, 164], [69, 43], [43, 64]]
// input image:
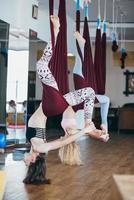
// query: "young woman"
[[54, 103]]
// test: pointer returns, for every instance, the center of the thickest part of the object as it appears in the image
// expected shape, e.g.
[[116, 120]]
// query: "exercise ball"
[[2, 140]]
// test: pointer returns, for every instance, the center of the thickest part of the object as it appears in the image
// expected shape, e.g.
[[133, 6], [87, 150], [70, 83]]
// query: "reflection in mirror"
[[36, 47], [17, 84]]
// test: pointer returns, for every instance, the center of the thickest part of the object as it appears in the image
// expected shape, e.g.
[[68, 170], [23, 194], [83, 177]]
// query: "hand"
[[30, 158]]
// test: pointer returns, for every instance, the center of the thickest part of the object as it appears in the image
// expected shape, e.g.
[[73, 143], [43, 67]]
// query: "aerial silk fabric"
[[103, 64], [53, 103], [79, 81], [100, 61], [88, 70], [58, 64], [78, 29], [97, 59], [88, 67]]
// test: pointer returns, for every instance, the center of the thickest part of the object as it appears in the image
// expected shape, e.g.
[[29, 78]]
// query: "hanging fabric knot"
[[114, 42], [123, 57]]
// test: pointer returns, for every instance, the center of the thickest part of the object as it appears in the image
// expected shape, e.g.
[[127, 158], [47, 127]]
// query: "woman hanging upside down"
[[54, 103]]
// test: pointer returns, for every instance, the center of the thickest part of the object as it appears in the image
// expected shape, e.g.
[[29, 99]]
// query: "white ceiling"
[[126, 6]]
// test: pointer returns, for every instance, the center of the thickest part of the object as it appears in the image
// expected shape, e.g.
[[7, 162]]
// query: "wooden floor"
[[92, 181]]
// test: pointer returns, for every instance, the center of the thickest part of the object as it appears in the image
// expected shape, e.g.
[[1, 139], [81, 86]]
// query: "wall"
[[18, 14], [9, 11], [115, 79], [43, 29], [115, 83]]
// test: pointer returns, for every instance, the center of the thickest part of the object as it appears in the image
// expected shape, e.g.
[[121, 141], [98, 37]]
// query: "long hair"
[[36, 173]]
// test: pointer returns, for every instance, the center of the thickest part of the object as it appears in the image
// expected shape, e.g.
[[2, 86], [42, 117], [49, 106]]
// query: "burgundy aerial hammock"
[[88, 78], [78, 28], [97, 54], [100, 54], [88, 66], [79, 81], [58, 64], [84, 77], [53, 102]]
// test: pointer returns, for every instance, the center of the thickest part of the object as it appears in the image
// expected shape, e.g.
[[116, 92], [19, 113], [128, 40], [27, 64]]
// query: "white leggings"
[[104, 107]]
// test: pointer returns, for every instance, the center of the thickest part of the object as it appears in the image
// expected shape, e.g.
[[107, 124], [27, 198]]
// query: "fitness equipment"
[[2, 140]]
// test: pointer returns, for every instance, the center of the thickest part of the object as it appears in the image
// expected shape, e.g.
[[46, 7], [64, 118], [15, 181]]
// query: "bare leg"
[[80, 39], [56, 24]]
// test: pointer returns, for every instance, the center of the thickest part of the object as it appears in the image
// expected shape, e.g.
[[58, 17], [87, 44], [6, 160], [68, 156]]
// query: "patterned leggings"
[[85, 95]]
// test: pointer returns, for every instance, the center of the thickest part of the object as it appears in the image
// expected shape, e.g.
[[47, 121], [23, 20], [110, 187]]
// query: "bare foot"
[[96, 133], [99, 134], [79, 38], [56, 23]]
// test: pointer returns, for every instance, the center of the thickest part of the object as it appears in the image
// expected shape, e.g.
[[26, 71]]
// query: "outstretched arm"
[[42, 147]]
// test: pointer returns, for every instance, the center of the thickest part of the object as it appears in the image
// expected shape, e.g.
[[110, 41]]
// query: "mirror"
[[23, 88], [17, 84]]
